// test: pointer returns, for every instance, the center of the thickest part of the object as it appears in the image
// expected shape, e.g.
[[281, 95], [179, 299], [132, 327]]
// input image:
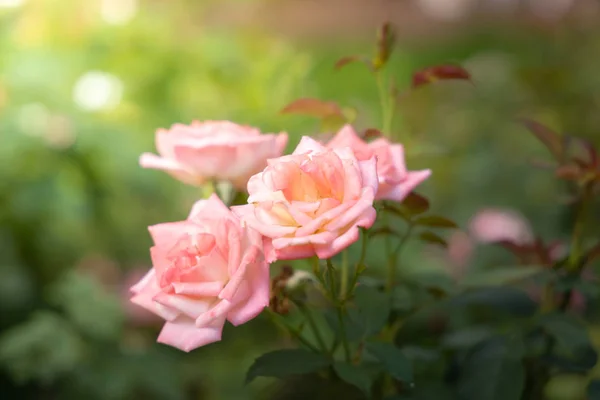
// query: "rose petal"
[[185, 335]]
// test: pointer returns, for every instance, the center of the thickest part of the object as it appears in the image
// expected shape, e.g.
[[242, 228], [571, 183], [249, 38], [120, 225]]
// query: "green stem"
[[295, 333], [339, 308], [393, 258], [311, 323], [578, 231], [360, 266], [331, 281], [344, 277], [340, 313], [386, 104], [209, 188]]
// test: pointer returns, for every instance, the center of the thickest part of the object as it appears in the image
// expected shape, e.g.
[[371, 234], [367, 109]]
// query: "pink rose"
[[312, 201], [395, 182], [219, 150], [495, 225], [205, 270], [136, 315]]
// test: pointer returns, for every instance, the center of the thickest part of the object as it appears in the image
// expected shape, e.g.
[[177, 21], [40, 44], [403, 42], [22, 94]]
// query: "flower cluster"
[[214, 266]]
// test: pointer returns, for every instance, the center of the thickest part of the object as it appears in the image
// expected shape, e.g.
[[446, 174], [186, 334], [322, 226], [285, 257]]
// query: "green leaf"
[[354, 329], [385, 231], [365, 315], [435, 221], [94, 310], [43, 348], [506, 299], [569, 332], [355, 375], [593, 390], [494, 371], [466, 338], [283, 363], [393, 360], [415, 204], [401, 212], [373, 306], [500, 276], [433, 238]]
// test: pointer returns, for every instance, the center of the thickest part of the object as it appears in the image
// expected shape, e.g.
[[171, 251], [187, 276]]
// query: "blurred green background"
[[85, 83]]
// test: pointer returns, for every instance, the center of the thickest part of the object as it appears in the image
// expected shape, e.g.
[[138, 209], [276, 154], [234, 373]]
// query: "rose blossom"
[[395, 182], [495, 225], [312, 201], [206, 269], [219, 150]]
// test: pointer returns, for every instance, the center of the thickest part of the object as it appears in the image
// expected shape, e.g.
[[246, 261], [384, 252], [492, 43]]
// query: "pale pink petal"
[[184, 335], [307, 145], [338, 244], [145, 281], [360, 208], [209, 161], [280, 143], [368, 169], [193, 307], [200, 289], [347, 137], [172, 167], [217, 313], [149, 160], [144, 299], [168, 233], [247, 309], [251, 256], [296, 252], [213, 207], [269, 230], [398, 192], [307, 206], [269, 251], [317, 238], [164, 143], [323, 219]]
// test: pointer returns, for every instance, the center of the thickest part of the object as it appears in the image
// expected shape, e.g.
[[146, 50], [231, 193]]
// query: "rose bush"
[[213, 150], [312, 201], [206, 270]]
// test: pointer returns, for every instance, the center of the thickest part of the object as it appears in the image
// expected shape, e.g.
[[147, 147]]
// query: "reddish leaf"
[[569, 172], [593, 153], [592, 254], [512, 247], [416, 204], [582, 164], [440, 72], [372, 133], [385, 44], [435, 221], [342, 62], [589, 151], [547, 136], [432, 238], [313, 107]]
